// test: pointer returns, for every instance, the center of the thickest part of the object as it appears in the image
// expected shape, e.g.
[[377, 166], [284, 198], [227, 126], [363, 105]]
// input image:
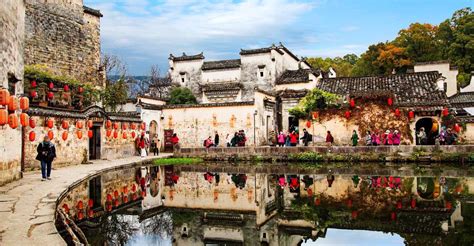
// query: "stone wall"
[[60, 35], [12, 28]]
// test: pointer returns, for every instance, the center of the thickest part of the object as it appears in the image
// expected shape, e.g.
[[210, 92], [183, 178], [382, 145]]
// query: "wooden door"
[[168, 144], [95, 143]]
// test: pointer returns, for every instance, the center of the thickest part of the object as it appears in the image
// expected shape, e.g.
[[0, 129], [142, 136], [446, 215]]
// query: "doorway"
[[292, 123], [431, 127], [95, 191], [95, 143], [168, 146]]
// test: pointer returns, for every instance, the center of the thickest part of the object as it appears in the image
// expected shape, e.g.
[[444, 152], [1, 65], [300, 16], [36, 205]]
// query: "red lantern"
[[124, 135], [109, 197], [134, 188], [317, 201], [108, 133], [133, 135], [66, 88], [80, 205], [347, 114], [13, 121], [79, 124], [125, 199], [115, 134], [315, 115], [32, 136], [125, 189], [90, 134], [80, 90], [89, 124], [3, 117], [399, 205], [134, 196], [354, 214], [116, 203], [13, 103], [33, 84], [66, 208], [143, 126], [50, 134], [24, 103], [116, 125], [33, 94], [457, 128], [49, 123], [397, 112], [445, 112], [393, 216], [4, 97], [390, 101], [50, 95], [90, 203], [413, 203], [50, 85], [109, 207], [65, 124], [133, 126], [108, 124], [448, 205], [79, 134], [24, 119], [65, 135], [116, 194], [411, 115], [308, 124], [90, 213], [32, 122], [124, 126], [352, 103]]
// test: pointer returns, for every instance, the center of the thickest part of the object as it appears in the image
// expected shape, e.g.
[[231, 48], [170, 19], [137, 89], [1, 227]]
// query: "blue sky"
[[145, 32]]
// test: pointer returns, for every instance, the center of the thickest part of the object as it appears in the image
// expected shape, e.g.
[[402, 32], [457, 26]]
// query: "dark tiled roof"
[[408, 90], [295, 76], [92, 11], [82, 114], [223, 64], [185, 57], [292, 93], [465, 99], [256, 51], [202, 105], [225, 86]]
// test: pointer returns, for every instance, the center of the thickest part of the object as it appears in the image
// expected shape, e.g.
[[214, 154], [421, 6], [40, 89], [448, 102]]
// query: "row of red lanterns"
[[10, 105], [115, 125], [50, 95]]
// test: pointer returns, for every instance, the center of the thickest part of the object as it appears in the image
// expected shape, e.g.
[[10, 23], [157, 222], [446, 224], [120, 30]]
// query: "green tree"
[[367, 64], [115, 94], [182, 95], [351, 58], [342, 66], [419, 41]]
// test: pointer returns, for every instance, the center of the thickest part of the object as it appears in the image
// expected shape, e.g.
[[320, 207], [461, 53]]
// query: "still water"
[[280, 205]]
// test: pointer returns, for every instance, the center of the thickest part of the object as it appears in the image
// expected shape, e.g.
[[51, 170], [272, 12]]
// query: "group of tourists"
[[292, 138], [377, 138], [445, 137], [144, 146], [238, 140]]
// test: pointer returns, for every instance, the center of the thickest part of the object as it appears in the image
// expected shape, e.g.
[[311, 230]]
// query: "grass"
[[177, 161]]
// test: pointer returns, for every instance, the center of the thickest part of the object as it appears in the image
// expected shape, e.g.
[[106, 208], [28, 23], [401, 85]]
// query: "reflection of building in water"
[[237, 207]]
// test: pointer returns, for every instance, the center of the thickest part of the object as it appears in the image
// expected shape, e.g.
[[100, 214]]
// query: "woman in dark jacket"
[[46, 154]]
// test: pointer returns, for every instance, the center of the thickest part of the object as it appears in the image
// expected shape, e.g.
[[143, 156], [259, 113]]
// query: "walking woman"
[[142, 145], [329, 139], [46, 154], [354, 138]]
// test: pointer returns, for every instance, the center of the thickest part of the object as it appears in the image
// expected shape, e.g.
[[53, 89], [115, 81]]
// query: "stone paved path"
[[27, 205]]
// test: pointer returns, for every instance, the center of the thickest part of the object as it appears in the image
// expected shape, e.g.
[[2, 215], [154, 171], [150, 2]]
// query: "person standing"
[[208, 142], [155, 145], [329, 138], [175, 141], [368, 139], [422, 138], [227, 140], [390, 137], [216, 139], [46, 154], [142, 145], [306, 137], [354, 138], [293, 138], [281, 139], [396, 137]]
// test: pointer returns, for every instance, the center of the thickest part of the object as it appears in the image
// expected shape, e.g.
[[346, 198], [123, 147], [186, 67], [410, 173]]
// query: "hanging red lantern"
[[390, 101], [50, 95], [90, 203], [33, 84], [116, 203], [80, 90], [125, 189], [66, 208], [399, 204], [12, 104], [24, 103], [124, 126], [143, 126], [116, 194], [79, 124], [66, 88], [347, 114], [397, 112], [32, 122], [124, 135], [315, 115], [33, 94], [457, 128], [354, 214], [49, 123], [448, 205], [393, 216], [125, 199], [80, 205], [13, 121], [134, 188], [133, 126], [4, 97], [115, 134], [134, 196], [50, 134], [65, 135], [445, 112], [352, 103], [3, 117], [32, 136], [90, 213], [50, 85], [24, 119], [90, 134], [109, 198], [317, 201], [108, 124], [413, 203], [411, 115], [80, 215], [116, 125], [109, 207], [108, 133], [133, 135], [79, 134], [89, 124], [308, 123], [65, 124]]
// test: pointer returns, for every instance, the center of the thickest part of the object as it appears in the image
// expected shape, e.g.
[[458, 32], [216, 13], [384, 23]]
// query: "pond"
[[224, 204]]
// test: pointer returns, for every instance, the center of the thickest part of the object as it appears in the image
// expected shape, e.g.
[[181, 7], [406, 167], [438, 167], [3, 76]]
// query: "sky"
[[144, 32], [356, 238]]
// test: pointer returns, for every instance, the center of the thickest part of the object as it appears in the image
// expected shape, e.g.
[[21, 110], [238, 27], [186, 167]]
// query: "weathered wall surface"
[[12, 14], [468, 133], [60, 35]]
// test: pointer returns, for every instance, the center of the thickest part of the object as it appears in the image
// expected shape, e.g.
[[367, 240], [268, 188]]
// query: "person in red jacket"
[[329, 138], [293, 138], [175, 141]]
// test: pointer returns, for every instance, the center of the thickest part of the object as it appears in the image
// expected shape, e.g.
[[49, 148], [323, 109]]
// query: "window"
[[182, 79], [261, 73]]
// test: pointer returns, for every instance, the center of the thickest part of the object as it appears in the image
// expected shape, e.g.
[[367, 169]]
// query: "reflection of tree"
[[118, 229], [160, 224]]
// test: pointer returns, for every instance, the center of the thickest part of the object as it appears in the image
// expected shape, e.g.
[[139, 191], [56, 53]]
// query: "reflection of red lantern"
[[354, 214], [411, 115], [133, 135], [80, 205], [50, 134], [317, 201], [66, 88], [32, 136], [445, 112], [397, 112], [347, 114], [390, 101], [352, 103], [457, 128], [33, 94], [90, 213], [65, 208], [90, 203], [80, 215], [393, 216], [124, 135], [90, 134], [134, 188], [143, 126], [115, 134], [116, 203], [116, 194], [413, 203], [50, 85], [399, 204], [109, 207], [109, 198], [124, 126], [125, 199], [308, 124], [49, 123], [134, 196]]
